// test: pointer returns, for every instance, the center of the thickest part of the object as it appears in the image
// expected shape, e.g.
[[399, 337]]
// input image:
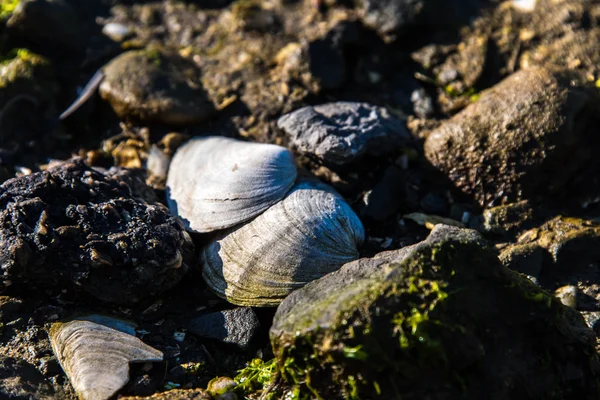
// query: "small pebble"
[[116, 31], [567, 295]]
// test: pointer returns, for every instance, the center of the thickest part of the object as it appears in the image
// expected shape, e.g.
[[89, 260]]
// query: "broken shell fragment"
[[215, 183], [308, 234], [95, 355]]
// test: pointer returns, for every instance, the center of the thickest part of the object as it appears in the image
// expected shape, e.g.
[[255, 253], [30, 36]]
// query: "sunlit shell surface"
[[308, 234], [215, 183], [96, 356]]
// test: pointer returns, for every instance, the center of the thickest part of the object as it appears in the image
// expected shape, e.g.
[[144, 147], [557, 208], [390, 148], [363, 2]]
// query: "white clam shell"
[[310, 233], [96, 357], [215, 183]]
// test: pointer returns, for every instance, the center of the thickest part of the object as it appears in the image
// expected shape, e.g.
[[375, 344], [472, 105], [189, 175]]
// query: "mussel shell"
[[95, 354], [215, 183], [307, 235]]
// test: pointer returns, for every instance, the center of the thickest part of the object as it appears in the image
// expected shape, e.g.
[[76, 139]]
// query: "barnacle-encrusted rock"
[[440, 319], [158, 86], [523, 138], [72, 227], [96, 356], [338, 133]]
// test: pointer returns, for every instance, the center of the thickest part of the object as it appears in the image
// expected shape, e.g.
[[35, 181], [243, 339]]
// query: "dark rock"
[[156, 86], [71, 227], [392, 18], [508, 218], [339, 133], [435, 204], [27, 95], [440, 319], [49, 23], [175, 394], [592, 318], [327, 55], [238, 326], [386, 198], [526, 258], [524, 138], [20, 380]]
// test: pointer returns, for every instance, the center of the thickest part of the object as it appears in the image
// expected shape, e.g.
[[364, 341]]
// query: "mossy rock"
[[566, 243], [153, 85], [440, 319]]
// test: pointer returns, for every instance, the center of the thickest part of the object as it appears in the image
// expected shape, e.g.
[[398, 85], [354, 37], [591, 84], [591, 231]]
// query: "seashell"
[[95, 354], [215, 183], [308, 234]]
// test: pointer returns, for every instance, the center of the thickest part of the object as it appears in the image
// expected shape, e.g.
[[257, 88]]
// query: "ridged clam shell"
[[96, 357], [215, 183], [308, 234]]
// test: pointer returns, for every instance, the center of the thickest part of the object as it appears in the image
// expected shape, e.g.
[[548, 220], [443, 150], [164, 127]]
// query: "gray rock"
[[339, 133], [158, 86], [524, 138], [507, 219], [440, 319], [238, 326], [20, 380]]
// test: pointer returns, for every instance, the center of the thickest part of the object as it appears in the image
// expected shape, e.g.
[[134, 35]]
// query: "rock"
[[440, 319], [175, 394], [153, 85], [27, 95], [20, 380], [568, 242], [526, 258], [327, 55], [221, 388], [238, 326], [567, 295], [393, 18], [48, 23], [386, 198], [71, 228], [592, 318], [96, 356], [507, 219], [339, 133], [116, 31], [523, 139]]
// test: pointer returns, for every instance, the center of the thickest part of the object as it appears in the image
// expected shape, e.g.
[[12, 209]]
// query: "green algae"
[[7, 7]]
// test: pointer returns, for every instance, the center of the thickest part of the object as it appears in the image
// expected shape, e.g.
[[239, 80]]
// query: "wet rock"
[[48, 23], [20, 380], [339, 133], [157, 86], [410, 322], [96, 356], [238, 326], [524, 138], [176, 394], [72, 228], [221, 388]]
